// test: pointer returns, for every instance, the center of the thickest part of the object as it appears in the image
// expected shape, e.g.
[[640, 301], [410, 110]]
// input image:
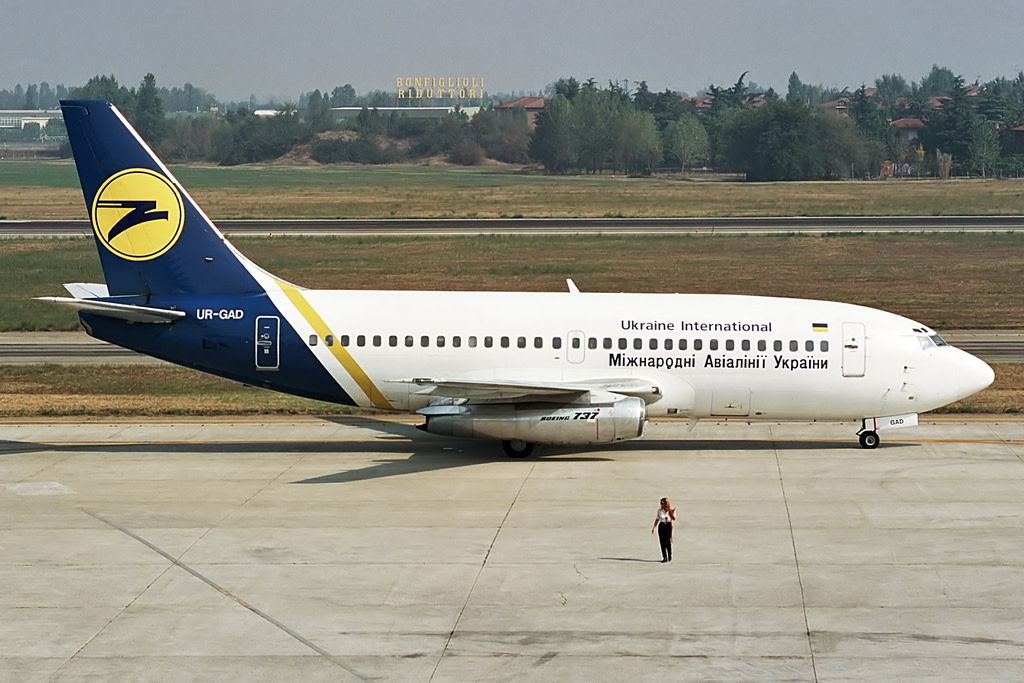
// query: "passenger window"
[[505, 342], [592, 343], [393, 340], [730, 345], [576, 343], [809, 345], [682, 344], [538, 342], [794, 345], [312, 340], [488, 342], [623, 343], [607, 343], [440, 342], [457, 341], [762, 345], [824, 346], [713, 345], [376, 340], [745, 344], [521, 342], [777, 345], [471, 342], [424, 341], [556, 342], [668, 344], [653, 344], [361, 340], [638, 343], [698, 344], [408, 340]]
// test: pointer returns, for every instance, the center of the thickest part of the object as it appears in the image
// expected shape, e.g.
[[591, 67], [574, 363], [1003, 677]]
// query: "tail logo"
[[138, 214]]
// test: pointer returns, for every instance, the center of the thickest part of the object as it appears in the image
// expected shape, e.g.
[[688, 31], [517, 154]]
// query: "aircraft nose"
[[972, 375]]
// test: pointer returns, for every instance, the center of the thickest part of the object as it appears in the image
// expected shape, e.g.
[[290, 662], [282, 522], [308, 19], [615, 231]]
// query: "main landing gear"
[[516, 448], [868, 439]]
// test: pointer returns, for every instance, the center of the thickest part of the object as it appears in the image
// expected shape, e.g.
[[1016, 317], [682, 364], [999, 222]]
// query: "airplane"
[[566, 368]]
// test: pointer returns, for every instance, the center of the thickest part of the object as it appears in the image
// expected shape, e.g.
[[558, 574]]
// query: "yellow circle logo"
[[138, 214]]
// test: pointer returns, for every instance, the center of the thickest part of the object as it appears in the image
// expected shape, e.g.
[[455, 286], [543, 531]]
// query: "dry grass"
[[402, 192]]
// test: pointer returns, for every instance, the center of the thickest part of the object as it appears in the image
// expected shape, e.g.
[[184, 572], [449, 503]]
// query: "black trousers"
[[665, 538]]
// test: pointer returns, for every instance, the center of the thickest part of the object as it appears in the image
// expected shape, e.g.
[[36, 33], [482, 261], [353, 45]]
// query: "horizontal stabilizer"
[[129, 312]]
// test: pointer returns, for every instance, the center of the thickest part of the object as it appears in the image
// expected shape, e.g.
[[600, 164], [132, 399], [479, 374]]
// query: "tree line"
[[588, 128]]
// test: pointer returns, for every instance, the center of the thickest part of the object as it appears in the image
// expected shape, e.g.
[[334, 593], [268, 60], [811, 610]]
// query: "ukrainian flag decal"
[[819, 327]]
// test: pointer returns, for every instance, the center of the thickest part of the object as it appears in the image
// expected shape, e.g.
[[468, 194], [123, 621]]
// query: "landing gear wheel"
[[869, 439], [517, 449]]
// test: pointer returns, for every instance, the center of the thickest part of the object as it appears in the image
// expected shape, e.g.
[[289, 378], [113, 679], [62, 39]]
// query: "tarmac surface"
[[358, 549]]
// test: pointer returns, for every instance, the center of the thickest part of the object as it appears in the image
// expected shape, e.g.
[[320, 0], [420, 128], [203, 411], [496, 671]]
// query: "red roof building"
[[532, 105]]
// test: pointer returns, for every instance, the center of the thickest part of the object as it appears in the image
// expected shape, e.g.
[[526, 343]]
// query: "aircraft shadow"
[[416, 453]]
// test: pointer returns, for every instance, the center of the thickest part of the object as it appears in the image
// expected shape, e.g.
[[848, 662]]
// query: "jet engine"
[[539, 423]]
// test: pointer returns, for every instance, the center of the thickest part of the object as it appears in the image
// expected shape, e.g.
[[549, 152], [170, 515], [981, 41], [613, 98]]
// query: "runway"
[[357, 549]]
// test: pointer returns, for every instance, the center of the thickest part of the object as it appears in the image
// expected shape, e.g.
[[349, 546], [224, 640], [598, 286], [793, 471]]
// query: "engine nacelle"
[[538, 423]]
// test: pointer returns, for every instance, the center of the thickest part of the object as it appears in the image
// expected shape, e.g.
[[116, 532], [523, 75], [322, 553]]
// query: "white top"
[[664, 516]]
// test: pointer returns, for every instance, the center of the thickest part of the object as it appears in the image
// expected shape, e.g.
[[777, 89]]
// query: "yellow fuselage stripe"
[[337, 350]]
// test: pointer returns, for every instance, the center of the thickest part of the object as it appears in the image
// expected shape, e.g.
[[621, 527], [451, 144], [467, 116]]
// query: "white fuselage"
[[708, 355]]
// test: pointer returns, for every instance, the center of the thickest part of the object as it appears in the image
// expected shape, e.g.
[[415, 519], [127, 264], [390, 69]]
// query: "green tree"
[[786, 141], [149, 111], [107, 88], [795, 92], [983, 147], [940, 81], [503, 134], [318, 112], [686, 142], [951, 128], [636, 148], [343, 96], [32, 97], [553, 142], [568, 88]]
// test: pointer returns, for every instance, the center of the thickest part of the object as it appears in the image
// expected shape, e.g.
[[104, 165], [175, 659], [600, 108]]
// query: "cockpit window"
[[931, 340]]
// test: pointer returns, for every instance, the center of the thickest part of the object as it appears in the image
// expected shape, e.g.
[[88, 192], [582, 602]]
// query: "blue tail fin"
[[152, 238]]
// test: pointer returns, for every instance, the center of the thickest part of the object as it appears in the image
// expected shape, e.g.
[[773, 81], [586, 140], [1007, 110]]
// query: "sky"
[[275, 49]]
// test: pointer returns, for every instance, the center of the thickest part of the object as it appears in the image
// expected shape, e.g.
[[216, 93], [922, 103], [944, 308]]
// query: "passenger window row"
[[593, 343]]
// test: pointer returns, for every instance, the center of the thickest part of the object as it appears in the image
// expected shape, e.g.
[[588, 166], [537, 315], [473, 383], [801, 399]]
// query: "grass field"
[[947, 281], [37, 190]]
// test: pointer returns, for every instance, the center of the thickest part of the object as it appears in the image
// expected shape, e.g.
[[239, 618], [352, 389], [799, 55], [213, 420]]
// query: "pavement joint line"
[[796, 556], [228, 594], [476, 579]]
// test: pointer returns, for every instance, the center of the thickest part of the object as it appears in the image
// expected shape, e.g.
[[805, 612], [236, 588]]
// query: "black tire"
[[869, 439], [517, 449]]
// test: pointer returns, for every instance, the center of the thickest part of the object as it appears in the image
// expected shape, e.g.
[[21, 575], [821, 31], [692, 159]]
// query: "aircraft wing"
[[596, 390]]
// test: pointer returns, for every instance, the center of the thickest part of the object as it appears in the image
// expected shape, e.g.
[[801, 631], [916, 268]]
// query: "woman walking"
[[663, 523]]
